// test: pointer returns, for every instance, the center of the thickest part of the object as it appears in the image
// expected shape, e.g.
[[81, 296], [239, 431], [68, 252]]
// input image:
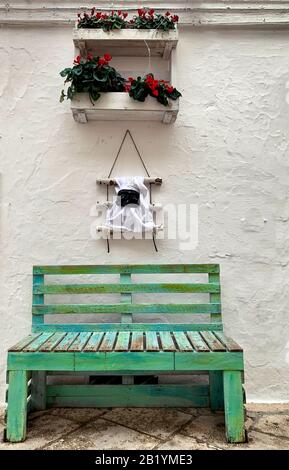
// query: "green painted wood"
[[167, 341], [124, 362], [137, 341], [208, 361], [215, 297], [53, 341], [130, 268], [38, 299], [151, 339], [64, 344], [79, 343], [24, 342], [53, 309], [17, 406], [40, 361], [126, 288], [126, 297], [230, 344], [182, 341], [38, 391], [216, 390], [211, 340], [94, 341], [35, 345], [197, 341], [77, 327], [128, 395], [122, 343], [234, 409], [108, 341]]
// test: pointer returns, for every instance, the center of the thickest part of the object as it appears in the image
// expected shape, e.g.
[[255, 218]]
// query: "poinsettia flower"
[[107, 57]]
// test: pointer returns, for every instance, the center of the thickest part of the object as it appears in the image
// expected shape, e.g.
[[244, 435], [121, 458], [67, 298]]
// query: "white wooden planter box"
[[126, 42], [120, 106]]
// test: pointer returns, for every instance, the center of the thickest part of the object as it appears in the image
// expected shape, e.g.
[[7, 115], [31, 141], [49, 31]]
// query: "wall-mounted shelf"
[[126, 42], [119, 106]]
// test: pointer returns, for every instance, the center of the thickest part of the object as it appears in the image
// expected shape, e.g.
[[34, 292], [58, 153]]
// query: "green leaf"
[[65, 72]]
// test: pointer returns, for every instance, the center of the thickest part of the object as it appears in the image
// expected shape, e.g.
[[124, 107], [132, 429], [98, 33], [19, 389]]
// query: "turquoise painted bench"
[[127, 349]]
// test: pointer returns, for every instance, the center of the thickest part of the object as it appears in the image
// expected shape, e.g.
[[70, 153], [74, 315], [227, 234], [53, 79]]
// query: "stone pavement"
[[148, 428]]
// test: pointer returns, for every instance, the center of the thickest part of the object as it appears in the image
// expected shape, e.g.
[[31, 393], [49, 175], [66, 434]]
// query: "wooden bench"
[[126, 349]]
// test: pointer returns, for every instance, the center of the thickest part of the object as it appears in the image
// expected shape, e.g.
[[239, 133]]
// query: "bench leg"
[[17, 406], [216, 390], [234, 408], [38, 391]]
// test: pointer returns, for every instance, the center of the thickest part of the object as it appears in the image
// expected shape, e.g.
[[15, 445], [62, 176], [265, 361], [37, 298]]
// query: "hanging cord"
[[146, 170]]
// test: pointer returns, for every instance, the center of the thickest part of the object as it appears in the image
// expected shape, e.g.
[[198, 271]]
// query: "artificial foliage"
[[92, 75], [141, 87]]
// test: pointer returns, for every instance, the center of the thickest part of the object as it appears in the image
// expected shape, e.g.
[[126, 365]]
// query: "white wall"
[[227, 152]]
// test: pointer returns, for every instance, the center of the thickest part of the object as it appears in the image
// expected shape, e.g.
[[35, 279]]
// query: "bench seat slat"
[[53, 341], [137, 341], [197, 341], [64, 344], [122, 343], [108, 341], [152, 343], [79, 343], [182, 341], [230, 344], [213, 342], [24, 342], [35, 345], [167, 341], [94, 341]]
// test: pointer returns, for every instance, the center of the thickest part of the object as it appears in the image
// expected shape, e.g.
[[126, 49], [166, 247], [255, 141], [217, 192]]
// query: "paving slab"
[[104, 435], [157, 422], [79, 415]]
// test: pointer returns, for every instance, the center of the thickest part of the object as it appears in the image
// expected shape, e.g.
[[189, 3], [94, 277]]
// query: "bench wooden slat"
[[108, 341], [137, 341], [152, 343], [230, 344], [182, 341], [125, 308], [35, 345], [131, 268], [79, 343], [126, 287], [94, 341], [51, 342], [213, 342], [122, 343], [24, 342], [66, 342], [167, 341], [197, 341], [97, 327]]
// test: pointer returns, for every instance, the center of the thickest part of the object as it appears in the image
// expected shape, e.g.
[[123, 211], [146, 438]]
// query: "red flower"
[[175, 18], [167, 13], [151, 12], [102, 61], [112, 12], [78, 14], [104, 16], [77, 59], [170, 89], [107, 57], [92, 11], [127, 87], [119, 12], [124, 15], [155, 93], [89, 56], [130, 79], [141, 11], [98, 15]]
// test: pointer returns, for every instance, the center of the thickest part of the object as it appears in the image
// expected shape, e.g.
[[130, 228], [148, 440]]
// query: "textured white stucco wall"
[[227, 152]]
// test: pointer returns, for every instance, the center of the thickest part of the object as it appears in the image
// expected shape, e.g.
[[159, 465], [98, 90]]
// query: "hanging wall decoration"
[[132, 210]]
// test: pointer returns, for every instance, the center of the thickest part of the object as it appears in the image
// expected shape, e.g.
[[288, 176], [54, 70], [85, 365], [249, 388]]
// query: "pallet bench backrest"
[[126, 286]]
